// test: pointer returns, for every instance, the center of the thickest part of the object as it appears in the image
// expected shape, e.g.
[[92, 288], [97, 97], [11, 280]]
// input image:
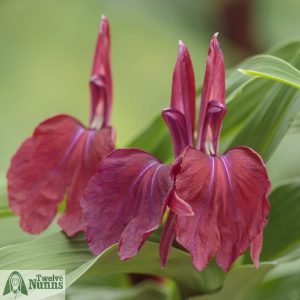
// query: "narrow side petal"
[[124, 202], [175, 121], [44, 167], [101, 79], [183, 90], [255, 249], [167, 238], [213, 87], [228, 195], [179, 206]]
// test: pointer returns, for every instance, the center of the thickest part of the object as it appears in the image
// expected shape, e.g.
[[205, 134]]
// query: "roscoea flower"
[[227, 193], [218, 204], [62, 155]]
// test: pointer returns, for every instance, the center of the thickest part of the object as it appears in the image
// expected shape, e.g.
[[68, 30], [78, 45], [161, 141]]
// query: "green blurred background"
[[46, 49]]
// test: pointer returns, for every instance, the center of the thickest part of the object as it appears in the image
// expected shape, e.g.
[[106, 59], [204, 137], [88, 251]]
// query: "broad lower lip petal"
[[125, 201], [228, 196]]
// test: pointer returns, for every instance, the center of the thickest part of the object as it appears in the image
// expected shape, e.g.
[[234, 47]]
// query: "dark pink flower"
[[218, 203], [62, 155], [227, 193]]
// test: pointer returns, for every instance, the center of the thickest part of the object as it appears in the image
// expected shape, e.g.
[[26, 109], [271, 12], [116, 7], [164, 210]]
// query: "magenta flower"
[[228, 192], [62, 155], [218, 204]]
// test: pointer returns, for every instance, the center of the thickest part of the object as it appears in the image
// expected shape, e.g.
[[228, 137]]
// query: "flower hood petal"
[[213, 89], [101, 79], [175, 121], [183, 97]]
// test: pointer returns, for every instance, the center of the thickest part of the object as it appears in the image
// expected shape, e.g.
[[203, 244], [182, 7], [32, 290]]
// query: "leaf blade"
[[274, 68]]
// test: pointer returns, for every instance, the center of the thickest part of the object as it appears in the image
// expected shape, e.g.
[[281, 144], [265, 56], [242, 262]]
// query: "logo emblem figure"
[[15, 284]]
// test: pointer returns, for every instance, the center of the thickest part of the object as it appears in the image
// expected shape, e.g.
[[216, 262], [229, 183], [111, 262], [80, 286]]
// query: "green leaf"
[[286, 49], [260, 112], [270, 120], [3, 200], [56, 251], [11, 232], [281, 234], [282, 282], [239, 283], [145, 290], [282, 231], [271, 67]]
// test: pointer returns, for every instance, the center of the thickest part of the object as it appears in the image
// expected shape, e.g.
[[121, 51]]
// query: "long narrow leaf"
[[271, 67]]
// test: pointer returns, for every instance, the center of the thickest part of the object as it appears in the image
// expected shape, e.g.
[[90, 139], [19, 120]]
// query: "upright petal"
[[124, 202], [183, 90], [213, 87], [60, 157], [228, 195], [101, 79]]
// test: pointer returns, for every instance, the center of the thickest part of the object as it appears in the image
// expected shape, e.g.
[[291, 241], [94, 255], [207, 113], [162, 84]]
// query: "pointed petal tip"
[[180, 207], [182, 48], [215, 41], [162, 263], [226, 268], [124, 257], [199, 266], [214, 45], [93, 250], [104, 24], [104, 19], [181, 44]]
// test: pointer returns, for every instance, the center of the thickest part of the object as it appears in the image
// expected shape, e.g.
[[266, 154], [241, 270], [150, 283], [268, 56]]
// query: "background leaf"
[[282, 282], [260, 111], [271, 67], [56, 251], [239, 283], [148, 290], [282, 232], [11, 232]]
